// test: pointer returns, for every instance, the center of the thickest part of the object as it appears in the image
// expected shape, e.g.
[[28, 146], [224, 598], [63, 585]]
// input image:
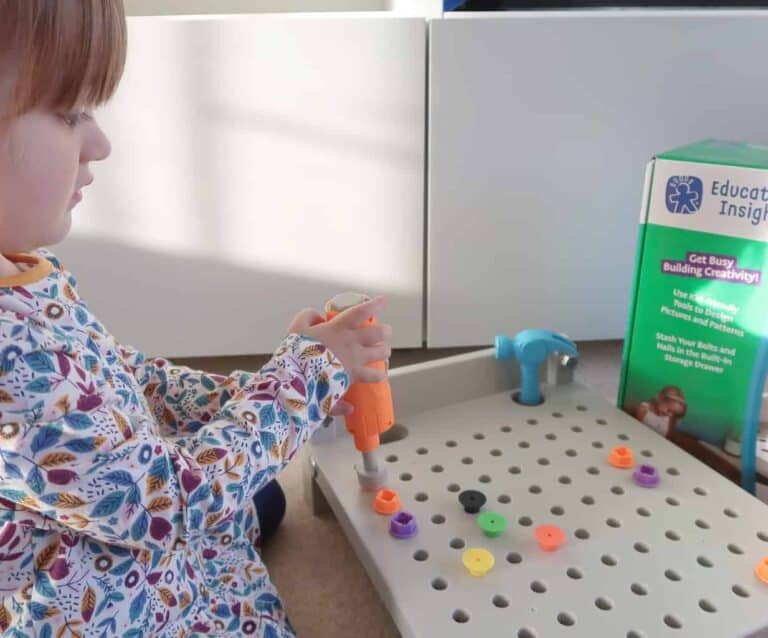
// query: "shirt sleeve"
[[182, 399], [71, 451]]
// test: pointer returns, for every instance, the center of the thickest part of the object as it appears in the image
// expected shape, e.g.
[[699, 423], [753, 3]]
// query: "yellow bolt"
[[478, 561]]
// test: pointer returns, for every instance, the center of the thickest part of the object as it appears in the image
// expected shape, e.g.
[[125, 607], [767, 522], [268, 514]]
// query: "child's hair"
[[674, 394], [67, 53]]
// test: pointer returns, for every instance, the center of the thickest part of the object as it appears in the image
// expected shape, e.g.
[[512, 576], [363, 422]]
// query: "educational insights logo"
[[684, 194]]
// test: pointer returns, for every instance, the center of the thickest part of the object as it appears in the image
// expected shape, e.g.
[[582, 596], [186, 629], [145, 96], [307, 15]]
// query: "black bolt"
[[472, 501]]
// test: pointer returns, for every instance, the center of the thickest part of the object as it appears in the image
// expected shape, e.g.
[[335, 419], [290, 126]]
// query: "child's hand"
[[354, 344]]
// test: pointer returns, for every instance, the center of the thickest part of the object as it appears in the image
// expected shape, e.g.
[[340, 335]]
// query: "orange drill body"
[[374, 412]]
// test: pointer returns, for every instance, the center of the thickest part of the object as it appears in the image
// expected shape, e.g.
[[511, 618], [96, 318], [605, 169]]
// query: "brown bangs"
[[69, 53]]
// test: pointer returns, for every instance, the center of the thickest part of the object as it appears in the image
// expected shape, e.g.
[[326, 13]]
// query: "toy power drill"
[[373, 413]]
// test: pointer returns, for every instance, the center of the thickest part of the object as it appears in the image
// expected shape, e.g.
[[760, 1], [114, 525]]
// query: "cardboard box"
[[695, 351]]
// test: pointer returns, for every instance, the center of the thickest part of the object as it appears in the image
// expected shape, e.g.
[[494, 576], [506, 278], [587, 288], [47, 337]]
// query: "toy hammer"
[[531, 348]]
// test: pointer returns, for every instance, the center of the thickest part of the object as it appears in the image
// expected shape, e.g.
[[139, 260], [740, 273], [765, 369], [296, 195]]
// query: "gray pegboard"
[[676, 560]]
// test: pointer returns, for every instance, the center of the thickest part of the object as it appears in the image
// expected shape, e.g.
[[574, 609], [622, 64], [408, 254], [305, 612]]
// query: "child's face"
[[668, 407], [44, 157]]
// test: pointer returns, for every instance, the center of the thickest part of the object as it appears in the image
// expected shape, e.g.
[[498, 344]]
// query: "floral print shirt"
[[126, 483]]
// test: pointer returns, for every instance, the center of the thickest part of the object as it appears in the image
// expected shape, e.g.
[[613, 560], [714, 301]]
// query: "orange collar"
[[40, 269]]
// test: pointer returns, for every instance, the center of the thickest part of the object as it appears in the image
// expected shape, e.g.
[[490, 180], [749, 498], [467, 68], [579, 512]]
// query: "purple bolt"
[[646, 476], [403, 525]]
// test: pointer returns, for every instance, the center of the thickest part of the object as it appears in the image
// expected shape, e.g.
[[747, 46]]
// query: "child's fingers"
[[369, 375], [357, 315], [373, 335], [342, 408], [376, 353], [315, 317], [305, 318]]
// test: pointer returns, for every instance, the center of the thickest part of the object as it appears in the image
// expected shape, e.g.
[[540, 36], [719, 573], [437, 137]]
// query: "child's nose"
[[96, 146]]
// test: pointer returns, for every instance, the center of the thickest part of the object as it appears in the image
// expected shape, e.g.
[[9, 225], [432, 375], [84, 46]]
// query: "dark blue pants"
[[270, 507]]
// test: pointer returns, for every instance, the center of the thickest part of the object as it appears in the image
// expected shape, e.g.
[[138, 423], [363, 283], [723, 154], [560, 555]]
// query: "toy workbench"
[[678, 555]]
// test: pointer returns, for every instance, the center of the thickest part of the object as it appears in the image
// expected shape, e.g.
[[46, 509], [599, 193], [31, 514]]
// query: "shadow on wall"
[[220, 212], [218, 307]]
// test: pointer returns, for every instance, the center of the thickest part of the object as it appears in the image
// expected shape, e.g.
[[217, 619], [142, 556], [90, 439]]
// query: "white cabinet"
[[263, 163], [540, 126], [260, 164], [420, 8], [221, 7]]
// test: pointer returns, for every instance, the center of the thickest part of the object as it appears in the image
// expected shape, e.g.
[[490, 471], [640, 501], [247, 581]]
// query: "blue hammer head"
[[531, 348]]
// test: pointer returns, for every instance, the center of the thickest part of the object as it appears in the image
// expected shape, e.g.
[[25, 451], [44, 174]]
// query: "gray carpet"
[[323, 585]]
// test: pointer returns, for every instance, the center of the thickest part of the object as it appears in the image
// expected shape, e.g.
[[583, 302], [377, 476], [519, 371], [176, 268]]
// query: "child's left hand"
[[307, 318]]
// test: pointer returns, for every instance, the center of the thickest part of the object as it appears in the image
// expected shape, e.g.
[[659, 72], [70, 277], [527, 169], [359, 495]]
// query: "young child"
[[126, 483], [664, 411]]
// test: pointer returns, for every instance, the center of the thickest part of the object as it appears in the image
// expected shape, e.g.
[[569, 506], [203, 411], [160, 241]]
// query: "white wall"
[[260, 165]]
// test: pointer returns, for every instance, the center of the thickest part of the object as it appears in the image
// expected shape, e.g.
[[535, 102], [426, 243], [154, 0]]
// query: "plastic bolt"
[[622, 457], [762, 570], [472, 501], [550, 537], [386, 502], [403, 525], [492, 524], [646, 476], [478, 561]]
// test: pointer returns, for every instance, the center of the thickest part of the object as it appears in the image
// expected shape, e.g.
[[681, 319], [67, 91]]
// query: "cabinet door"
[[540, 127], [260, 164]]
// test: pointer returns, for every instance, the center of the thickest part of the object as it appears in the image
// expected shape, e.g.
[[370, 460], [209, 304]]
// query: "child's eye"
[[75, 117], [70, 119]]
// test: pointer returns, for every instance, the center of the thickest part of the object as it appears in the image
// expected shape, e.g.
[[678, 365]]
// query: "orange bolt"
[[386, 502], [550, 537], [622, 457], [762, 570]]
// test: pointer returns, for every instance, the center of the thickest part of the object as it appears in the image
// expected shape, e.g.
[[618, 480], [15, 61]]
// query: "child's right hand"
[[354, 344]]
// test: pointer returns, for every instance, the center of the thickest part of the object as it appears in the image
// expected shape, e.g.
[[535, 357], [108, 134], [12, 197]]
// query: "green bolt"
[[492, 524]]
